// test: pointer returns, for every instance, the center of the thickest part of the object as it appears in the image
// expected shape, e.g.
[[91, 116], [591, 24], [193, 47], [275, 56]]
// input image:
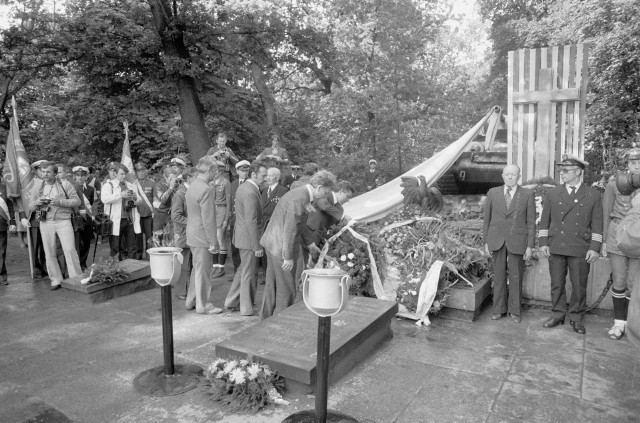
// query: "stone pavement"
[[63, 360]]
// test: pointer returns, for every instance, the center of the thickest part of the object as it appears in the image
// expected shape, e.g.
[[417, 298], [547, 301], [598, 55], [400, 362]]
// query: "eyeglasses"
[[566, 170]]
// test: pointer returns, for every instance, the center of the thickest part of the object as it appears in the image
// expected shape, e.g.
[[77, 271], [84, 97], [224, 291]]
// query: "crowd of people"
[[266, 214]]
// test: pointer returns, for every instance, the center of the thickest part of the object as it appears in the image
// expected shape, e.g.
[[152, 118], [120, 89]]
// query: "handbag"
[[628, 233]]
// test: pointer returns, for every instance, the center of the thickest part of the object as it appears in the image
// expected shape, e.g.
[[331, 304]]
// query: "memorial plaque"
[[466, 303], [287, 341], [139, 279]]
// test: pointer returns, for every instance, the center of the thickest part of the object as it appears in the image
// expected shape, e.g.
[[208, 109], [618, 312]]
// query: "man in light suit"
[[246, 237], [281, 241], [509, 235], [202, 236]]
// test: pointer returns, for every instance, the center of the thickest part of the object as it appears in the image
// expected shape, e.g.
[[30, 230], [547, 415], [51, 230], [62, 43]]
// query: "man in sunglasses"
[[571, 237]]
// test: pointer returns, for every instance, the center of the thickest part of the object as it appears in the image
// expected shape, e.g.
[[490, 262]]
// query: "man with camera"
[[163, 190], [120, 203], [625, 270], [145, 208], [85, 234], [225, 155], [53, 201]]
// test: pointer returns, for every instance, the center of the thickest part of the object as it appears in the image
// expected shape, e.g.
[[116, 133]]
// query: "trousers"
[[63, 229], [199, 291], [243, 289], [511, 266], [579, 276]]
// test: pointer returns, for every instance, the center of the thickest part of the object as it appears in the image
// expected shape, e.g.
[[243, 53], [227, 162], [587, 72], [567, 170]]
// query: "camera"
[[627, 183], [41, 214]]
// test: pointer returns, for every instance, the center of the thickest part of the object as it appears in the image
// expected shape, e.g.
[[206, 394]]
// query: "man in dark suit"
[[85, 235], [7, 224], [509, 235], [242, 168], [202, 237], [571, 237], [246, 236], [271, 193], [179, 221], [281, 241]]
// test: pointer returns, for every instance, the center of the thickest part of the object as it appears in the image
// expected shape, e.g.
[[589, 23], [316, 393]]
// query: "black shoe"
[[578, 327], [552, 322], [54, 287]]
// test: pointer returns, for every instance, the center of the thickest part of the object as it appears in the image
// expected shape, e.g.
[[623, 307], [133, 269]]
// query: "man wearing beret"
[[571, 237]]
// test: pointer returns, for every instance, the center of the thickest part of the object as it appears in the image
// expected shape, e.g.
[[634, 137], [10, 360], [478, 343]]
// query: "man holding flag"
[[18, 178]]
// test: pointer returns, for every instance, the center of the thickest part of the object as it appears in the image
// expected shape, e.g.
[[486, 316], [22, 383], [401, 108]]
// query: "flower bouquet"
[[244, 386], [106, 271]]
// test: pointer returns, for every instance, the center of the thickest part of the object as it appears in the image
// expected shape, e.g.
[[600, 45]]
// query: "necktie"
[[269, 192], [573, 191], [507, 197]]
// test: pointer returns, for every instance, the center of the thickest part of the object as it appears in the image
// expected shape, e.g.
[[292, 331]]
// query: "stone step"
[[288, 341]]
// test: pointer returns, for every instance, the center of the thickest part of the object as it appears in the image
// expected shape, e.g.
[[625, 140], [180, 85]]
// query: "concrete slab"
[[526, 403], [22, 407], [548, 367], [287, 341], [612, 381]]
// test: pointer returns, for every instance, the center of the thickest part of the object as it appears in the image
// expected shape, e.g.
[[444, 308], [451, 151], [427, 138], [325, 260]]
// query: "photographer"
[[53, 202], [120, 203], [223, 154], [624, 270]]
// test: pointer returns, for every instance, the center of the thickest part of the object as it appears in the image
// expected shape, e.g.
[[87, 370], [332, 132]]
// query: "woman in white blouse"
[[120, 201]]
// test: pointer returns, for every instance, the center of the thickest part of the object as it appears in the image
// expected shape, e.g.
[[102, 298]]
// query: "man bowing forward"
[[509, 235]]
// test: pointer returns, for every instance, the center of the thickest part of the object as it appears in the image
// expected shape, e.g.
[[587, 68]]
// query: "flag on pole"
[[17, 170], [126, 150]]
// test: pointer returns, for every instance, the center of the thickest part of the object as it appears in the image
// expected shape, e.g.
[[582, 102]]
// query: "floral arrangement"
[[405, 246], [107, 271], [353, 258], [242, 385]]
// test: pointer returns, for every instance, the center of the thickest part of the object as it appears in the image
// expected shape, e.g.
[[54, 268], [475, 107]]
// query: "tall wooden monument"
[[547, 98]]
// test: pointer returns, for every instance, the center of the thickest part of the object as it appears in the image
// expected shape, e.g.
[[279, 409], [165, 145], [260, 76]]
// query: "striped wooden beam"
[[546, 107]]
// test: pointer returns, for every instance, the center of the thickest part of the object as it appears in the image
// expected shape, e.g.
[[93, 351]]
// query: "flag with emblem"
[[17, 170], [126, 150]]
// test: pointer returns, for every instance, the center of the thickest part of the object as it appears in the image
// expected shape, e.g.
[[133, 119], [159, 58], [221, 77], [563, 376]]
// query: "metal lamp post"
[[325, 293], [169, 379]]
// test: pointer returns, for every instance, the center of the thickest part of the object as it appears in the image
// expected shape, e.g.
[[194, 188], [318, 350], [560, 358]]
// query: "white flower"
[[230, 366], [351, 256], [413, 292], [267, 372], [253, 371], [343, 258], [220, 374], [218, 362], [237, 376], [243, 362], [363, 267], [350, 264]]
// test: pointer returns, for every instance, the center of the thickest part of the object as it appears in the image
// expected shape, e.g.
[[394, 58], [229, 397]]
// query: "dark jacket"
[[269, 202], [571, 226], [515, 227], [327, 213]]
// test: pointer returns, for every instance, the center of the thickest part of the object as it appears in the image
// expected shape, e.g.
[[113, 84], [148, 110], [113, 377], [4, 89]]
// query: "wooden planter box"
[[537, 283], [139, 279], [466, 303]]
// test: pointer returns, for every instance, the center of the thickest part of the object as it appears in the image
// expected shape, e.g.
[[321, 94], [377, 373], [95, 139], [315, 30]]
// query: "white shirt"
[[310, 189], [577, 187], [513, 190]]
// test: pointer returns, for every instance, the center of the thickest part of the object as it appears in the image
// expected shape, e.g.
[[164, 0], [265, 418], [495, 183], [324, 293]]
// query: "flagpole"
[[19, 201]]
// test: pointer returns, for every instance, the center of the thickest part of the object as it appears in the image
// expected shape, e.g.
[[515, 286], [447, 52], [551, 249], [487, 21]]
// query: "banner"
[[17, 170], [126, 153]]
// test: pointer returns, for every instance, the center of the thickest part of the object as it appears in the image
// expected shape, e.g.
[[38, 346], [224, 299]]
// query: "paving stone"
[[528, 403], [545, 366], [22, 407], [612, 381]]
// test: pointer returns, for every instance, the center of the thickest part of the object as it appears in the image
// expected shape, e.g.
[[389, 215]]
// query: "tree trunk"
[[189, 105], [268, 102]]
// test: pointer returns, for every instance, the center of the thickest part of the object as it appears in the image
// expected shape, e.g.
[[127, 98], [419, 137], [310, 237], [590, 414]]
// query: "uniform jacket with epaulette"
[[570, 226]]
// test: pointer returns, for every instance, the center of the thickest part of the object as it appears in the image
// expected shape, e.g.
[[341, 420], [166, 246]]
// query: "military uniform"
[[570, 225]]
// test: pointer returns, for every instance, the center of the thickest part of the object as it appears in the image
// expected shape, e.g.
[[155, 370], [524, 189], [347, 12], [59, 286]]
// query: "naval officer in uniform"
[[571, 237]]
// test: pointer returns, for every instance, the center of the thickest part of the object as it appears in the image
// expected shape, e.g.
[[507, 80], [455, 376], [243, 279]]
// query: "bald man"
[[509, 236]]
